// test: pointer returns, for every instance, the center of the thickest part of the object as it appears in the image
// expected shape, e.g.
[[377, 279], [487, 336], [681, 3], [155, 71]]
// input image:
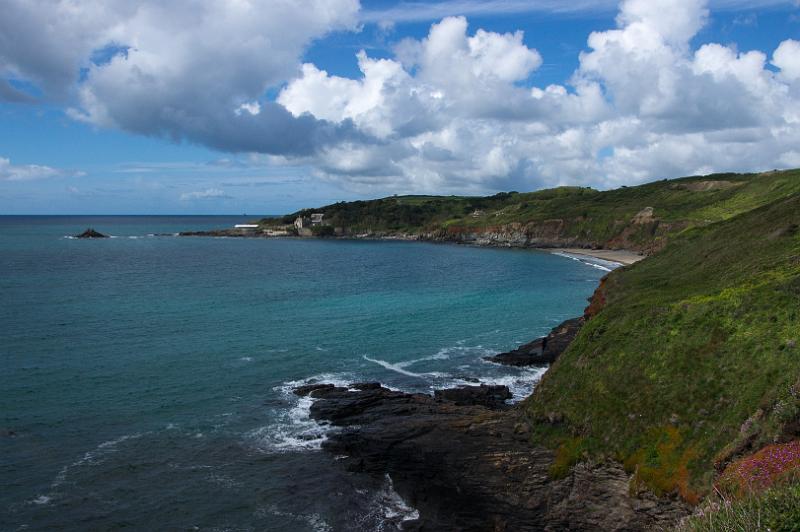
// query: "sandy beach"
[[615, 255]]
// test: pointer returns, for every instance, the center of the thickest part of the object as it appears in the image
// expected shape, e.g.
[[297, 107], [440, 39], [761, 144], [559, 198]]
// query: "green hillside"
[[694, 355], [587, 216]]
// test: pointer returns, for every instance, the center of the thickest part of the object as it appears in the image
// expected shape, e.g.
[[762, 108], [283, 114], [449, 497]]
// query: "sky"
[[269, 106]]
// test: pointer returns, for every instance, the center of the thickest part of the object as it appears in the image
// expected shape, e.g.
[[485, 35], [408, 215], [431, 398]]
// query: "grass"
[[775, 510], [587, 216], [692, 344]]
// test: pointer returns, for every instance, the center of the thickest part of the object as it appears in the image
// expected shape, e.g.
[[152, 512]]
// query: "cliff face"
[[550, 233], [644, 233]]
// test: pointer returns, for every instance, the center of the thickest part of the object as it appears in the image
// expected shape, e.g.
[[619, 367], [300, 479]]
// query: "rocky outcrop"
[[490, 396], [467, 467], [91, 233], [542, 351], [548, 233]]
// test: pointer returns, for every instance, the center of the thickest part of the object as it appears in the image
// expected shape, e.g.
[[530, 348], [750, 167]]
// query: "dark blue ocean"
[[145, 380]]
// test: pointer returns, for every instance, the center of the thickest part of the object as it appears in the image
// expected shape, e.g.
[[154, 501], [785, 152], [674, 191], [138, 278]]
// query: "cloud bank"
[[452, 112]]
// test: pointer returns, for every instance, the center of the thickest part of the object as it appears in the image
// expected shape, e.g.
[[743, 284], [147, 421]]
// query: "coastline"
[[424, 445], [620, 256]]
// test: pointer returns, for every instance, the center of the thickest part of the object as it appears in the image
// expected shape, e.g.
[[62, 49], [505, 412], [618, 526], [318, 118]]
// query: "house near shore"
[[304, 222]]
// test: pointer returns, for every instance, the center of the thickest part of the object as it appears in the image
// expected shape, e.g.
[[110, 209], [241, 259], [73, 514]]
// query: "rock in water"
[[91, 233], [541, 351]]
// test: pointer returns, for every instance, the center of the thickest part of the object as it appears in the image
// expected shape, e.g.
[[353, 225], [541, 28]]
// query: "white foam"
[[294, 429], [93, 457], [41, 500], [520, 385], [246, 359], [397, 368], [393, 507], [444, 353], [594, 262]]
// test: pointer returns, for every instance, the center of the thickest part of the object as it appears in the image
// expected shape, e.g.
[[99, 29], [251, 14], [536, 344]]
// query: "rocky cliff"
[[465, 459], [467, 465]]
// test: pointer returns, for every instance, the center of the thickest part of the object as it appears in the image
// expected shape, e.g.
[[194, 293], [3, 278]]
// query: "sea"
[[145, 379]]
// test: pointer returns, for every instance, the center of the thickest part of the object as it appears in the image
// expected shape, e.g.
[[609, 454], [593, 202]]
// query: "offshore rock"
[[91, 233], [472, 468], [542, 351]]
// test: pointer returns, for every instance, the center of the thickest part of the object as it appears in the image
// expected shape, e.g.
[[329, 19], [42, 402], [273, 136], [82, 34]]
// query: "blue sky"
[[147, 119]]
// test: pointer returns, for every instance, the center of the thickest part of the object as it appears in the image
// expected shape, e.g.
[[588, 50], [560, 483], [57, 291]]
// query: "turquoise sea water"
[[146, 379]]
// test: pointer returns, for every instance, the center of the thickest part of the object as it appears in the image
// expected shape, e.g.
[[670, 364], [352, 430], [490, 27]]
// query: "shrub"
[[322, 230]]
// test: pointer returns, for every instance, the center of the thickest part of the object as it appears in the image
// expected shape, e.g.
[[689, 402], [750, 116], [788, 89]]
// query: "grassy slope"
[[589, 214], [690, 344], [776, 510]]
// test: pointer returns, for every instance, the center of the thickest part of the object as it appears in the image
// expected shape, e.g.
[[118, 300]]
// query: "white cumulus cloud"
[[29, 172], [451, 111], [454, 111]]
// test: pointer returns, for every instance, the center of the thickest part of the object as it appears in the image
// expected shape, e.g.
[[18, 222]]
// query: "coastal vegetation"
[[687, 370], [642, 218], [690, 358]]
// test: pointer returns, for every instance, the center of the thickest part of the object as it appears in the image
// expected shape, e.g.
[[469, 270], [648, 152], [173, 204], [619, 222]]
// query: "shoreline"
[[623, 257]]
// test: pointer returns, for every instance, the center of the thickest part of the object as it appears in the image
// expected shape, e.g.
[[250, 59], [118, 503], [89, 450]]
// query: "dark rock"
[[366, 385], [309, 389], [469, 468], [542, 351], [483, 395], [91, 233]]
